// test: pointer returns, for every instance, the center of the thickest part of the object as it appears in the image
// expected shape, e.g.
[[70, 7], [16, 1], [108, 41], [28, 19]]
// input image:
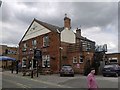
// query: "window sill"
[[80, 62], [45, 46]]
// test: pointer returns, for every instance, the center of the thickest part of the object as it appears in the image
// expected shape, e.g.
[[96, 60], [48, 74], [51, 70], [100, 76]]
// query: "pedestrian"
[[19, 66], [91, 81]]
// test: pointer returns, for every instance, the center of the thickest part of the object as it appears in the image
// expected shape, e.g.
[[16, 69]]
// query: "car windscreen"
[[109, 66]]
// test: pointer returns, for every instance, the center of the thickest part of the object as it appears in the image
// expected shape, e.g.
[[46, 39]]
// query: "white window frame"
[[44, 59], [34, 42], [24, 60], [110, 59], [46, 41], [74, 59], [25, 45]]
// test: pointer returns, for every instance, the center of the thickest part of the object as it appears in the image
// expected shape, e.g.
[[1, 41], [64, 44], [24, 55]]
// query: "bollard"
[[12, 70], [12, 67], [32, 74], [37, 72]]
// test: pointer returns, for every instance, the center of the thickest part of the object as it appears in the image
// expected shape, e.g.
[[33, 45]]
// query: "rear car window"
[[66, 67]]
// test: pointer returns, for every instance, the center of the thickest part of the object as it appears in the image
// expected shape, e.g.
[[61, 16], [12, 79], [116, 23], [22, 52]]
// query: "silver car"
[[67, 70]]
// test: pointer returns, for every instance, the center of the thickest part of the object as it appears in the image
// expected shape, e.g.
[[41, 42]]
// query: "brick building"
[[113, 58], [59, 46], [10, 52]]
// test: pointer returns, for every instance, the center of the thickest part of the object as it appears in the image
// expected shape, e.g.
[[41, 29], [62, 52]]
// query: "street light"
[[59, 48]]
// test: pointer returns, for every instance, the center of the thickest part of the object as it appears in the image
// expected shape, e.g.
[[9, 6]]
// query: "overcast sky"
[[97, 20]]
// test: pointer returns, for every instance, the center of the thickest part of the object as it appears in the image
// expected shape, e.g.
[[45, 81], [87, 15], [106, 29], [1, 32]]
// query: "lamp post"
[[59, 48]]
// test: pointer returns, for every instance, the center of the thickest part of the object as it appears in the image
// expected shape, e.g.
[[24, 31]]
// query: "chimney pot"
[[67, 22]]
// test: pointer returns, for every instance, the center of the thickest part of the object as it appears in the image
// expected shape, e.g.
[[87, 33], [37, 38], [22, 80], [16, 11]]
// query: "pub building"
[[58, 45]]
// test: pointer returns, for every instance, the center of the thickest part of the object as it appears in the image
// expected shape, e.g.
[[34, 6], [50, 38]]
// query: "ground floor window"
[[80, 59], [74, 59], [113, 60], [24, 62], [46, 61]]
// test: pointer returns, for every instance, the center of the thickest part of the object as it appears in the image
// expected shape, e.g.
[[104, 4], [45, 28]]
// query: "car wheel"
[[61, 75], [104, 75], [72, 75]]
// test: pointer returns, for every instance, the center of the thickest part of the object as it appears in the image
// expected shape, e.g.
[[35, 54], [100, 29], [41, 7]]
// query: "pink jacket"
[[91, 81]]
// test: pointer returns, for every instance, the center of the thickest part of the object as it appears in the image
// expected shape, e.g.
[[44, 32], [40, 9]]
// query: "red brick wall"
[[52, 49], [114, 55]]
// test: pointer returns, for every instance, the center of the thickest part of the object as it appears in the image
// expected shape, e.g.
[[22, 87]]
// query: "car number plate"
[[107, 70]]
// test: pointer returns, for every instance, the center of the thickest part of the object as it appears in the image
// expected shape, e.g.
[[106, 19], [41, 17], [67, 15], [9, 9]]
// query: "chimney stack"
[[78, 32], [67, 22]]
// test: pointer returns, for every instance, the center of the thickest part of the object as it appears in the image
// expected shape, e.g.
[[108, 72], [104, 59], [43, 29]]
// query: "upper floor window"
[[24, 62], [25, 45], [74, 59], [88, 47], [81, 59], [34, 42], [46, 40]]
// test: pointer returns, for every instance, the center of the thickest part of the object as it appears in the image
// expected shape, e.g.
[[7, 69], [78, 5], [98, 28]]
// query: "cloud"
[[98, 20], [102, 37]]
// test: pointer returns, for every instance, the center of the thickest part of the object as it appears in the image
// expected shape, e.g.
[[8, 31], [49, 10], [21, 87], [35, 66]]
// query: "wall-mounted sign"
[[37, 54]]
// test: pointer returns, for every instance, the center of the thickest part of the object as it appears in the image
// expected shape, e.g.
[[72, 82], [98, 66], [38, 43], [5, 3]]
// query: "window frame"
[[34, 42], [46, 58], [74, 58], [45, 41], [80, 57]]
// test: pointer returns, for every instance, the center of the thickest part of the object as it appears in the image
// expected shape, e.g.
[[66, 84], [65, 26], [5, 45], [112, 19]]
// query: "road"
[[54, 81], [14, 81]]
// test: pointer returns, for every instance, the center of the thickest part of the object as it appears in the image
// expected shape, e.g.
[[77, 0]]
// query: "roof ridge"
[[41, 22]]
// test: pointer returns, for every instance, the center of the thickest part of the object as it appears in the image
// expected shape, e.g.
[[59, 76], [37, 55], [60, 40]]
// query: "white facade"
[[67, 36], [35, 30]]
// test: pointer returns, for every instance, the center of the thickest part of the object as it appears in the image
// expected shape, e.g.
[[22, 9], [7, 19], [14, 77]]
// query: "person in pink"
[[91, 81]]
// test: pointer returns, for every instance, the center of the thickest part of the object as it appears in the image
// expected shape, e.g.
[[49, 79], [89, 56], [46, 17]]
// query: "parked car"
[[67, 70], [111, 70]]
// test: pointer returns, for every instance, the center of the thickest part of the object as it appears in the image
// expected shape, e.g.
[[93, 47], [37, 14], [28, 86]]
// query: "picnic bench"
[[44, 72], [28, 72]]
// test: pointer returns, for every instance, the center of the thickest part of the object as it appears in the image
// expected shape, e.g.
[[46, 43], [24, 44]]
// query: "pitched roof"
[[46, 25], [50, 26], [83, 38]]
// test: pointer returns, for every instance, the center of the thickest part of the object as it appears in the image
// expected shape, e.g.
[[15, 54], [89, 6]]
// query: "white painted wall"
[[39, 30], [67, 36]]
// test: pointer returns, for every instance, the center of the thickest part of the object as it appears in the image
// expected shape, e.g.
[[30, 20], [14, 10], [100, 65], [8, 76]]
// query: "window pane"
[[45, 41]]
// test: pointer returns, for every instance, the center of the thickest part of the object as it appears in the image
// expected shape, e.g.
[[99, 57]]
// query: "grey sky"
[[98, 20]]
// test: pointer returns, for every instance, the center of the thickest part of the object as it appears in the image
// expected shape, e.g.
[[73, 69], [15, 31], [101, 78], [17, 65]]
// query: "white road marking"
[[19, 84]]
